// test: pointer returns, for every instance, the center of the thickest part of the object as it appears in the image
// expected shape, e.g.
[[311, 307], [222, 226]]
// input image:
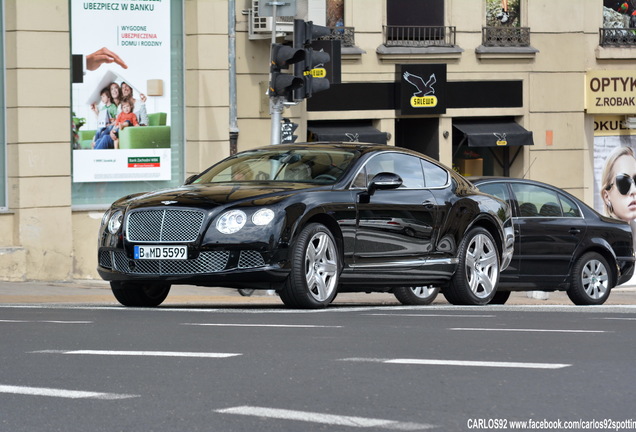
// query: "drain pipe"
[[234, 130]]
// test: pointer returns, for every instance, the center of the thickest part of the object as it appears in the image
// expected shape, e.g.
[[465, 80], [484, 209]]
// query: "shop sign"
[[422, 89], [610, 92], [611, 126]]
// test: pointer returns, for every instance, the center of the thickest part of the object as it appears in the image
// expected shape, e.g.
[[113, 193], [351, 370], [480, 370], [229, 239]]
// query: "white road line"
[[60, 393], [433, 315], [328, 419], [436, 362], [141, 353], [622, 319], [527, 330], [47, 322], [262, 325]]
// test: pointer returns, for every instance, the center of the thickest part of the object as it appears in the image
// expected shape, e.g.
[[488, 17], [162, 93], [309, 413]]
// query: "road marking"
[[433, 315], [141, 353], [60, 393], [46, 322], [328, 419], [527, 330], [262, 325], [435, 362], [622, 319]]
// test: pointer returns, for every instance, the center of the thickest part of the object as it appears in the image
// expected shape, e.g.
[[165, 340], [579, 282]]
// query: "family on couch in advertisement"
[[121, 94]]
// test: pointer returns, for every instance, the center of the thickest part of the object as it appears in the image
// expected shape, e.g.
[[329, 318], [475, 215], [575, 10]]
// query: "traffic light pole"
[[276, 108]]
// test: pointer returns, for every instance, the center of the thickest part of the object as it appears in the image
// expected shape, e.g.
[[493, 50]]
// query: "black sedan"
[[561, 243], [309, 221]]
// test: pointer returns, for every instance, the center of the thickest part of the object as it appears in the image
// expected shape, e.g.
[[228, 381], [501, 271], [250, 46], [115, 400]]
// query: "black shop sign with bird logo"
[[422, 89]]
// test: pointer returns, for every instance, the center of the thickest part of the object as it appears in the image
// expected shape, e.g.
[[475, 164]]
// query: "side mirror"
[[190, 179], [384, 180]]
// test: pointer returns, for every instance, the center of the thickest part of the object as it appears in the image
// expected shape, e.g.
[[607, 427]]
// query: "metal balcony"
[[617, 37], [346, 35], [505, 36], [419, 36]]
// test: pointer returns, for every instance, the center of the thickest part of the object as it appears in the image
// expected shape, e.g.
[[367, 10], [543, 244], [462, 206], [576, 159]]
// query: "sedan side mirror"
[[384, 180], [190, 179]]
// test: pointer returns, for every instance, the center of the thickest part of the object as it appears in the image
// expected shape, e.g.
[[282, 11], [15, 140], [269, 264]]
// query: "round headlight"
[[115, 222], [231, 221], [263, 216]]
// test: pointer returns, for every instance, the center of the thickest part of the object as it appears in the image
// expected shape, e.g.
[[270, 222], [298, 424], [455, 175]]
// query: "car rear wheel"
[[590, 280], [500, 297], [475, 280], [139, 294], [421, 295], [315, 269]]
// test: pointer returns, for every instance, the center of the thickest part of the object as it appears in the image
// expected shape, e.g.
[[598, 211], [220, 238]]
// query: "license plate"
[[161, 252]]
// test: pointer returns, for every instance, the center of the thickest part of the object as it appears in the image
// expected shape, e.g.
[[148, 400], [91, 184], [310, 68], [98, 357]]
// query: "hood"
[[213, 195]]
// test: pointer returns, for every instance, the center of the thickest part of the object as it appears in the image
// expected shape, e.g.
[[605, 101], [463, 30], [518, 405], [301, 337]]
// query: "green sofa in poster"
[[155, 135]]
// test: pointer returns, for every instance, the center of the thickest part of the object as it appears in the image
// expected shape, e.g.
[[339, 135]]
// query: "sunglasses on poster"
[[623, 183]]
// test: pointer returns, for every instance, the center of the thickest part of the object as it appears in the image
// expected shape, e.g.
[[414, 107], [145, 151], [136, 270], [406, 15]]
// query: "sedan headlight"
[[231, 221], [115, 222], [263, 216]]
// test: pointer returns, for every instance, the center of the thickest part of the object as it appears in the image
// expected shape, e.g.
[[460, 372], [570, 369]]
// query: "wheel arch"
[[493, 228]]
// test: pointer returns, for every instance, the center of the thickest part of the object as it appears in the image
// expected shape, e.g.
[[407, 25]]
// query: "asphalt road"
[[261, 367]]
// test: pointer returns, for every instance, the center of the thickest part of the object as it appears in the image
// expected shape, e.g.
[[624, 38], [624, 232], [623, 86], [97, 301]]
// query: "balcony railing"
[[419, 36], [617, 37], [505, 36], [346, 35]]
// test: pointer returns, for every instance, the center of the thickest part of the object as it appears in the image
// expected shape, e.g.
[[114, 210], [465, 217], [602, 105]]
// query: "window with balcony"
[[617, 37], [417, 27], [503, 33]]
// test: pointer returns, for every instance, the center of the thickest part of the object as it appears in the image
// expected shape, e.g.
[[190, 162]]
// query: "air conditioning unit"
[[261, 27]]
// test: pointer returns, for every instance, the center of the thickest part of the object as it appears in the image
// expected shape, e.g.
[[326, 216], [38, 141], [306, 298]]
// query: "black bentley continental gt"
[[560, 243], [309, 221]]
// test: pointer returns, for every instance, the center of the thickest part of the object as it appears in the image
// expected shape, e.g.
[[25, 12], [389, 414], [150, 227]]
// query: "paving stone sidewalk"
[[98, 292]]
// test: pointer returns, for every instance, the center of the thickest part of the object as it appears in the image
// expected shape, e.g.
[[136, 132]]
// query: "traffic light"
[[283, 84], [287, 129], [313, 77]]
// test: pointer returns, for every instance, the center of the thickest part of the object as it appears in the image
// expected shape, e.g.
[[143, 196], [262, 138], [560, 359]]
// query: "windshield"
[[305, 165]]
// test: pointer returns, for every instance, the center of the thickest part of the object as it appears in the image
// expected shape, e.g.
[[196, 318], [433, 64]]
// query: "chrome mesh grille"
[[105, 259], [250, 259], [164, 225], [207, 262]]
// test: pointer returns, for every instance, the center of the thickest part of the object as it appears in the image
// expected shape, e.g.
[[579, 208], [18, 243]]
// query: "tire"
[[500, 297], [315, 269], [477, 275], [139, 294], [591, 280], [246, 292], [421, 295]]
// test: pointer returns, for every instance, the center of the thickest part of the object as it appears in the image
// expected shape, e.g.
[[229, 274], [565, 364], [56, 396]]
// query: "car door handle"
[[428, 204], [575, 231]]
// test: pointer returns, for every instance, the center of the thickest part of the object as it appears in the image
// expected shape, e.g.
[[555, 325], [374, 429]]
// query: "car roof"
[[485, 179]]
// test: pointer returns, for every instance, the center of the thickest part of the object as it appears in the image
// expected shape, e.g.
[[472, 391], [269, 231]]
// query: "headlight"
[[115, 222], [263, 216], [230, 222]]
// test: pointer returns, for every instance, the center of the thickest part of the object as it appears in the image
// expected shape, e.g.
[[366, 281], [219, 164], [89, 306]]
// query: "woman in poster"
[[618, 188]]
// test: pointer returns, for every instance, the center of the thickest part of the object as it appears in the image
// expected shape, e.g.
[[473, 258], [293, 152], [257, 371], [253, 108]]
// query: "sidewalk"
[[98, 292]]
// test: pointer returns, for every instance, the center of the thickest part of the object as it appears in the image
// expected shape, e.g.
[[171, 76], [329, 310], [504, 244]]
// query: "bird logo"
[[425, 94], [501, 138]]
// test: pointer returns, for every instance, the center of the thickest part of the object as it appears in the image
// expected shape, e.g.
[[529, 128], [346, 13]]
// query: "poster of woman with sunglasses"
[[618, 186]]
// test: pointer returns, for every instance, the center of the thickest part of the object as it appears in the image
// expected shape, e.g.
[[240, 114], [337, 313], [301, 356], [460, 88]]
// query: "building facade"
[[536, 88]]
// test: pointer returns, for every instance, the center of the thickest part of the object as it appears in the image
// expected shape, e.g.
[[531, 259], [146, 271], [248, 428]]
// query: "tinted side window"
[[537, 201], [570, 209], [495, 189], [406, 166], [434, 176]]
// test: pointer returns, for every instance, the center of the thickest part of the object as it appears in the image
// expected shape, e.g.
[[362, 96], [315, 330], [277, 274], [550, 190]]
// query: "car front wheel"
[[140, 294], [421, 295], [475, 280], [315, 269], [590, 280]]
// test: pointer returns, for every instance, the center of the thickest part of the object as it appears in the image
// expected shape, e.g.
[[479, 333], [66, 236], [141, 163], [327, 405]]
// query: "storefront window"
[[127, 99]]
